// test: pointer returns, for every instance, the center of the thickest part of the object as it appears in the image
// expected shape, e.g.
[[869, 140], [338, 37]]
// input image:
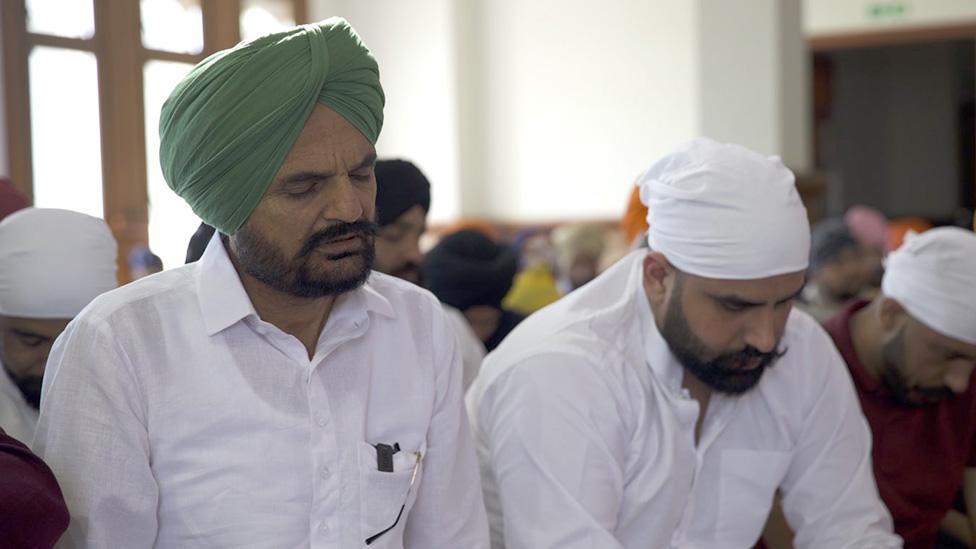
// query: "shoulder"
[[140, 296], [404, 296]]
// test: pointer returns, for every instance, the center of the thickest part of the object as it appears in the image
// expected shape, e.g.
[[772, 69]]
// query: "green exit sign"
[[888, 10]]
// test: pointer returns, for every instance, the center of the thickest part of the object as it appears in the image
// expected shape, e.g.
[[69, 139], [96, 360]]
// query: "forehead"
[[759, 290], [47, 327], [415, 217], [327, 142]]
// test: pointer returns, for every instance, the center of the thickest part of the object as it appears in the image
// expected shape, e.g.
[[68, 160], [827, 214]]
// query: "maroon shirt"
[[919, 454], [32, 509]]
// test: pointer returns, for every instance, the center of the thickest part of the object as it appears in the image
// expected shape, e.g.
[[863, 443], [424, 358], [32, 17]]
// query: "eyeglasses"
[[413, 479]]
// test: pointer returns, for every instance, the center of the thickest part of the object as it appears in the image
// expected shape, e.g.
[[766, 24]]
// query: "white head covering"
[[723, 211], [53, 262], [933, 276]]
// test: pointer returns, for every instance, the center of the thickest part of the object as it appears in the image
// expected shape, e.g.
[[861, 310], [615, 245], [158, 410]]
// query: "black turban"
[[466, 269], [399, 186]]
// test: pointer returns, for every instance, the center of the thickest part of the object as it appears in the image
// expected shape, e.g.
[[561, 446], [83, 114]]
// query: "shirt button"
[[325, 472], [323, 421]]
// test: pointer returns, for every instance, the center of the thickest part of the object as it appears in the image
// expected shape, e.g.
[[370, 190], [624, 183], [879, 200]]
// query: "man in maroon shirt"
[[911, 352], [32, 509]]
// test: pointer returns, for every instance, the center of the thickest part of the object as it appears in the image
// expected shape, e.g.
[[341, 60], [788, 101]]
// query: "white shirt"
[[586, 437], [17, 417], [173, 416], [472, 349]]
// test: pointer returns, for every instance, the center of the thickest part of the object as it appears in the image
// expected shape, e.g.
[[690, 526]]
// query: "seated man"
[[277, 392], [664, 403], [836, 273], [52, 263], [911, 352]]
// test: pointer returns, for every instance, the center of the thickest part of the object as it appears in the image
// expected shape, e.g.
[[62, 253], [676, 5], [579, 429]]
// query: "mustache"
[[364, 229], [749, 353]]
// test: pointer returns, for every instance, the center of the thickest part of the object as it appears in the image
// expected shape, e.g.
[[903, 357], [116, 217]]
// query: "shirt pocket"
[[386, 498], [747, 482]]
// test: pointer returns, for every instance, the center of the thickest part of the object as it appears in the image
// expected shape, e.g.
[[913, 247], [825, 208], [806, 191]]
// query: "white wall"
[[549, 109], [822, 17], [755, 84], [578, 100], [413, 44]]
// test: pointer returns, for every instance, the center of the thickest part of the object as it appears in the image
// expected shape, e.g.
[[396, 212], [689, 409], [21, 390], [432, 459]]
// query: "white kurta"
[[17, 417], [586, 437], [173, 416], [471, 348]]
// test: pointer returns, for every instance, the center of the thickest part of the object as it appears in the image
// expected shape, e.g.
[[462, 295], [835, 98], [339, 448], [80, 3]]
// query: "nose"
[[762, 330], [344, 202], [957, 376]]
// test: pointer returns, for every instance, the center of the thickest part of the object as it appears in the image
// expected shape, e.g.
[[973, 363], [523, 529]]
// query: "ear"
[[657, 274], [891, 314]]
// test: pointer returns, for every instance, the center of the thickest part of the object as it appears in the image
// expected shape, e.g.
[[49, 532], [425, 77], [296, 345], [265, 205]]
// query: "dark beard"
[[722, 373], [892, 353], [30, 387], [258, 258]]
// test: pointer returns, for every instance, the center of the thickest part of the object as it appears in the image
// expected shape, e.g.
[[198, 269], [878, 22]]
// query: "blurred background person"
[[579, 250], [836, 272], [535, 285], [870, 228], [142, 262], [472, 273]]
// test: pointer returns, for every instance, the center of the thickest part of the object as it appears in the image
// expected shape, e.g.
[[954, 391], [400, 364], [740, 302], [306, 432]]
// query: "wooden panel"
[[300, 9], [16, 94], [122, 123], [61, 42], [221, 24], [892, 37]]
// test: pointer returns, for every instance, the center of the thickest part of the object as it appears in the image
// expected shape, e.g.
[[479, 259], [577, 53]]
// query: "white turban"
[[933, 276], [53, 262], [723, 211]]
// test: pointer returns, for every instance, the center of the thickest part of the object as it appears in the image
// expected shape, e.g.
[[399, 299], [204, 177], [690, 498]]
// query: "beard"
[[299, 276], [725, 373], [893, 378], [30, 388]]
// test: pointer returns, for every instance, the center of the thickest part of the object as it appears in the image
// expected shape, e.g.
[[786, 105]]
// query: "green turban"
[[228, 126]]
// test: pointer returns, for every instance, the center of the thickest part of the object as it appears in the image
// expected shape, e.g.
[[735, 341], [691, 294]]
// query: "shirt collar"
[[224, 302]]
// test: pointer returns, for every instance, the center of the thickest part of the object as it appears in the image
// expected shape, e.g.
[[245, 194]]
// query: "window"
[[84, 83]]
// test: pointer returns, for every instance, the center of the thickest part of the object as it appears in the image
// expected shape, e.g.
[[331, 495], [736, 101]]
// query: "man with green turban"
[[276, 393]]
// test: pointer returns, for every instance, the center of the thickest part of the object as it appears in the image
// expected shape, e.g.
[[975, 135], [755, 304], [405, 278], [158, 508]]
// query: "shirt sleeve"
[[32, 509], [557, 450], [92, 432], [829, 493], [449, 510]]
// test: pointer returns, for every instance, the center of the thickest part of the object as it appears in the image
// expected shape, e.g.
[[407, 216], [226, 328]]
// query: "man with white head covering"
[[663, 404], [277, 392], [911, 352], [52, 264]]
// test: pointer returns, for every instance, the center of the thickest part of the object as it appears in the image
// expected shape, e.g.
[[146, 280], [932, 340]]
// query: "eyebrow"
[[311, 176], [737, 301]]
